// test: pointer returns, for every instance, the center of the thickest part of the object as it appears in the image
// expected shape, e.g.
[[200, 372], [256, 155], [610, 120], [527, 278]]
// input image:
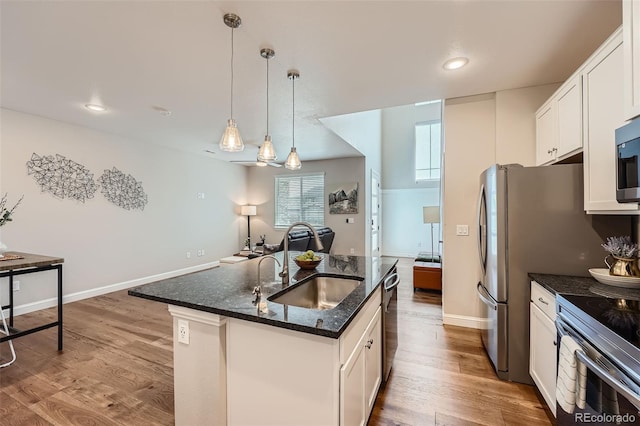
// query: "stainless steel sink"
[[319, 292]]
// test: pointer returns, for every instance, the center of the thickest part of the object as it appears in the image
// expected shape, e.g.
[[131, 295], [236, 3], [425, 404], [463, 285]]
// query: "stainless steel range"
[[608, 330]]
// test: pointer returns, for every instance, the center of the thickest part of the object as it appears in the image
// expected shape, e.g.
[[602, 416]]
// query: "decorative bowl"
[[307, 264]]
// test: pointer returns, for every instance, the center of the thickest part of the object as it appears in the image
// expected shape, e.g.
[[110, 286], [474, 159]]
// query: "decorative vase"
[[623, 267]]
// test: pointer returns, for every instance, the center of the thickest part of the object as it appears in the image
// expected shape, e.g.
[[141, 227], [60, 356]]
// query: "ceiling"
[[137, 56]]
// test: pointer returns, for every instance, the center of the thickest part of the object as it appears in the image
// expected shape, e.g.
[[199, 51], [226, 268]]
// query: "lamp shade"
[[248, 210], [431, 214]]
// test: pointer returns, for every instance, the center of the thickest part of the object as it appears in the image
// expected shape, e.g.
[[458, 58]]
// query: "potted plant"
[[5, 216], [624, 252]]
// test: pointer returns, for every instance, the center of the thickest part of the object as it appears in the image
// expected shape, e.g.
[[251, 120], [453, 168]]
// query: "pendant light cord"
[[293, 112], [232, 72], [267, 96]]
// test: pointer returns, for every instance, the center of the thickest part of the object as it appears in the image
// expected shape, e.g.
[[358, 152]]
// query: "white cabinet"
[[559, 123], [373, 362], [543, 363], [631, 35], [292, 378], [603, 113], [545, 133], [361, 375]]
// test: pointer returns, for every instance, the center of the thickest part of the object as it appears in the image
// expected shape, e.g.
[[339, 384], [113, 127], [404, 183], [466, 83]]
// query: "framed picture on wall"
[[343, 198]]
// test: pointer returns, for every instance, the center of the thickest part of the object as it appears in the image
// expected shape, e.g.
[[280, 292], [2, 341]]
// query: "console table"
[[31, 263]]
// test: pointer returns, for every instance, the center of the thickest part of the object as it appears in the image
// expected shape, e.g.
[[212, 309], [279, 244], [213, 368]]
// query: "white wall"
[[405, 234], [398, 144], [362, 130], [261, 192], [479, 131], [104, 245]]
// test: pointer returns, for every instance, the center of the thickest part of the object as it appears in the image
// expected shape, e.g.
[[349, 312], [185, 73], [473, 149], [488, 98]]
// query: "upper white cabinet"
[[603, 95], [559, 123], [631, 35]]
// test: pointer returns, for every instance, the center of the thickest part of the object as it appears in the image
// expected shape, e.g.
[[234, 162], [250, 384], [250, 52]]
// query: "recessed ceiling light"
[[455, 63], [95, 107]]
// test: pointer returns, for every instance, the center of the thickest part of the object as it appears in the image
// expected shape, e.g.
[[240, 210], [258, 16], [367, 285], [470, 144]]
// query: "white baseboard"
[[465, 321], [68, 298]]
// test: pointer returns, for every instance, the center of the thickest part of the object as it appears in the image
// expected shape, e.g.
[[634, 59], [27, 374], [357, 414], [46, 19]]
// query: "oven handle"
[[615, 382]]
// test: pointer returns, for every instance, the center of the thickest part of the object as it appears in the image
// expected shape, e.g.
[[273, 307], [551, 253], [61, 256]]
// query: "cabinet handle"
[[543, 301], [369, 343], [555, 343]]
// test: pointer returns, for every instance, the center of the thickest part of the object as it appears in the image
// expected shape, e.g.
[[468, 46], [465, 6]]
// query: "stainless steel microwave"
[[628, 162]]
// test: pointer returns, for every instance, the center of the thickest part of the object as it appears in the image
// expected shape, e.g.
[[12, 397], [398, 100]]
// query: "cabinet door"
[[569, 109], [631, 34], [603, 102], [352, 396], [545, 134], [543, 362], [373, 362]]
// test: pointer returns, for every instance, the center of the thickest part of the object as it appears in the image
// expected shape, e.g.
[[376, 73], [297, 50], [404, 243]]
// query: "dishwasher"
[[389, 321]]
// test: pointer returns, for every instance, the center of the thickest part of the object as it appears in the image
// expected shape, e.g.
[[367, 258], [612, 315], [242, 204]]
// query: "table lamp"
[[248, 211], [431, 215]]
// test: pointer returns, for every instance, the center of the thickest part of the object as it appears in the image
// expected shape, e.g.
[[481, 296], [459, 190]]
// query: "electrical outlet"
[[202, 251], [188, 255], [16, 285], [183, 331], [352, 251]]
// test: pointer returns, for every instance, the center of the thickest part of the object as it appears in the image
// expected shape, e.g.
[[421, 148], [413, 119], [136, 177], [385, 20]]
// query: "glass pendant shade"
[[293, 161], [267, 152], [231, 140]]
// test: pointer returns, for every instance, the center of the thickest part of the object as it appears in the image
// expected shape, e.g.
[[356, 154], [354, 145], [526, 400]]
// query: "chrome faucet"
[[285, 265], [257, 290]]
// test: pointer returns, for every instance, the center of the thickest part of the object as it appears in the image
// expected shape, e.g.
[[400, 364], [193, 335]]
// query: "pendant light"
[[267, 153], [231, 140], [293, 161]]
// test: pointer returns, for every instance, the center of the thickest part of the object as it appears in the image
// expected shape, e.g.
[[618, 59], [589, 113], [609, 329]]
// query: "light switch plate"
[[462, 230]]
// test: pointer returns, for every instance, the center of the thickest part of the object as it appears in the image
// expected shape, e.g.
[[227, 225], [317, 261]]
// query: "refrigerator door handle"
[[482, 227], [485, 297]]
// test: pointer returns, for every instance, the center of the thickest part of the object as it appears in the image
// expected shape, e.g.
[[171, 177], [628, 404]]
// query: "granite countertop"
[[227, 290], [582, 286]]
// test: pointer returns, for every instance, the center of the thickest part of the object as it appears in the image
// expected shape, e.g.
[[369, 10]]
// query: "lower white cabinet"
[[285, 377], [361, 375], [543, 364]]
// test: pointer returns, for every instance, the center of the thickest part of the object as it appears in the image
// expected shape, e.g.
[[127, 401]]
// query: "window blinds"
[[299, 198]]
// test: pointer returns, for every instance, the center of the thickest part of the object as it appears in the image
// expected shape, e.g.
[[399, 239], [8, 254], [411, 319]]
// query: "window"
[[299, 198], [428, 135]]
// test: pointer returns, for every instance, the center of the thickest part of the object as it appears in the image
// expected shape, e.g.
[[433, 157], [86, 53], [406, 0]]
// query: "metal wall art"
[[65, 178], [122, 190], [62, 177]]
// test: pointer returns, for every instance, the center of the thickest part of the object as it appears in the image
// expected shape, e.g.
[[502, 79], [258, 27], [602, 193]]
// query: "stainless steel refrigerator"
[[531, 220]]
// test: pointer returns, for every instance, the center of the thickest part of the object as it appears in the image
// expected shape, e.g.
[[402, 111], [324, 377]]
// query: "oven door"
[[612, 398]]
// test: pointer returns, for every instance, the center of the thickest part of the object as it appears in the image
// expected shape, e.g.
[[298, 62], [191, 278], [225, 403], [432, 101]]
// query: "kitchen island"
[[236, 362]]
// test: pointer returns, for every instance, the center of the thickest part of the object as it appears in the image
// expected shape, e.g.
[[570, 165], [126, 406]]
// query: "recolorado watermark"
[[604, 418]]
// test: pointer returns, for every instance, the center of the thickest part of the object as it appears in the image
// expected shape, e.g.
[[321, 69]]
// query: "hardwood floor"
[[116, 368]]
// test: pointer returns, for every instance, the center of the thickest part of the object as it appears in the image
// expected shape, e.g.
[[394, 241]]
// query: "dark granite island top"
[[227, 290]]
